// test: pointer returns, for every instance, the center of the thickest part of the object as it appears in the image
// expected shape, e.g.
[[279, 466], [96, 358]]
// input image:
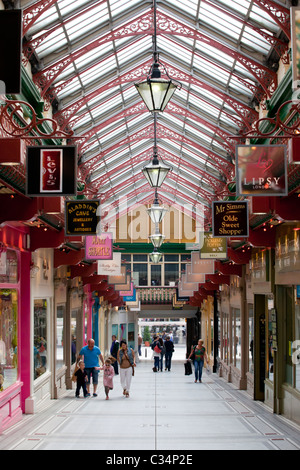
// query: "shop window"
[[8, 338], [155, 275], [251, 338], [296, 345], [225, 320], [40, 337], [236, 337], [142, 273], [60, 319], [8, 267], [171, 273], [131, 335], [74, 314]]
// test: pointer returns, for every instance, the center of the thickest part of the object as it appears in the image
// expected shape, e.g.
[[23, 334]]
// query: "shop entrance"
[[259, 346]]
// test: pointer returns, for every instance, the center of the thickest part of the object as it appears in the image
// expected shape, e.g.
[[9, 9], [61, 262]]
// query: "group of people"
[[123, 356], [160, 350], [88, 367]]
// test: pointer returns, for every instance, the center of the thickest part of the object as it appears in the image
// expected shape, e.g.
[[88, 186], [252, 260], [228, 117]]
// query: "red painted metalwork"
[[222, 165], [65, 115], [12, 123], [279, 126], [30, 46], [279, 13], [165, 25], [33, 12], [279, 46]]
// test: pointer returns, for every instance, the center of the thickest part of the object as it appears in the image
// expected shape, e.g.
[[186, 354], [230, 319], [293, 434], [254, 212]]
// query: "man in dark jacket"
[[114, 352], [169, 346]]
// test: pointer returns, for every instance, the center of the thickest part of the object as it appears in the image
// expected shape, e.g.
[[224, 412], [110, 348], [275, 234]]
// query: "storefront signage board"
[[230, 219]]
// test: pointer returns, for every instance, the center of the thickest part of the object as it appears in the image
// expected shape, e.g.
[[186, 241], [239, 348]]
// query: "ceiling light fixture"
[[156, 171], [155, 91]]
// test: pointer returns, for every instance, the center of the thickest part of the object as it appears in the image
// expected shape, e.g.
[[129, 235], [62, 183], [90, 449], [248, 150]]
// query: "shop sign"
[[201, 266], [230, 219], [51, 171], [110, 267], [81, 217], [212, 247], [261, 170], [99, 247], [129, 298]]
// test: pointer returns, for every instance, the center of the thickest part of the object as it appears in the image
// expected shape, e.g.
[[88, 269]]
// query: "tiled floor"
[[166, 411]]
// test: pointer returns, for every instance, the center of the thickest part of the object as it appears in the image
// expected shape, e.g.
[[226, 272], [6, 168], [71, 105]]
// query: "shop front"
[[14, 324]]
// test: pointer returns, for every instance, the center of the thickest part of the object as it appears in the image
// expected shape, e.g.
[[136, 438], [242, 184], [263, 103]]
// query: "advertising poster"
[[230, 219], [261, 170]]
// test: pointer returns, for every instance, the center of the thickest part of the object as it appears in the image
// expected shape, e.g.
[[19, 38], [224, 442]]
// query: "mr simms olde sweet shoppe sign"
[[230, 219], [82, 217]]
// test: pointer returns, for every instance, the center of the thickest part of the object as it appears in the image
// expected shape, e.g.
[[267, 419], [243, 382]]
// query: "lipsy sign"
[[261, 170]]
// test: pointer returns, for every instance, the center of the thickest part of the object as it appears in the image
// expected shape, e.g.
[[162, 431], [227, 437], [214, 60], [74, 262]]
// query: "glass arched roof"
[[86, 56]]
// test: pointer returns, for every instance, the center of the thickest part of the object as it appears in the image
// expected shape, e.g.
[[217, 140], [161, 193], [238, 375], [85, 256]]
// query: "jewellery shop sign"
[[230, 219], [82, 217]]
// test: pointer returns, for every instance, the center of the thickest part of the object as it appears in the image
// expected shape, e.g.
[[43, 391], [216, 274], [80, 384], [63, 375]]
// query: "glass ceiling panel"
[[226, 21]]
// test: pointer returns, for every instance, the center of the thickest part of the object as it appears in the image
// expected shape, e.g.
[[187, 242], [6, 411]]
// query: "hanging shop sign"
[[110, 267], [81, 217], [99, 247], [129, 296], [201, 266], [212, 247], [261, 170], [51, 171], [230, 219], [118, 279], [190, 277]]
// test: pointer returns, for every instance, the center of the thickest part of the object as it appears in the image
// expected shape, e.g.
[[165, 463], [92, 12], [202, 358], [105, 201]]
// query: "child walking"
[[108, 375], [81, 377]]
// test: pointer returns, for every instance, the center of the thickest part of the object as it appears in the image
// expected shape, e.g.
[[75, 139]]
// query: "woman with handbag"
[[198, 354], [157, 349], [126, 359]]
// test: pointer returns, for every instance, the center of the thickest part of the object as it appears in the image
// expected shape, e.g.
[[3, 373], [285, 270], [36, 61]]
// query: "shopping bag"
[[208, 370], [188, 368]]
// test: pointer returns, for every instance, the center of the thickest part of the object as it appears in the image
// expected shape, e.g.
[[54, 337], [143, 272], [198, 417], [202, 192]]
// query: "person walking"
[[114, 352], [156, 348], [169, 348], [81, 379], [163, 352], [199, 354], [108, 376], [140, 342], [91, 354], [126, 359]]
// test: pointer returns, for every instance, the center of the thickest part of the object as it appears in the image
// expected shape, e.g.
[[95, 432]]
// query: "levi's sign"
[[230, 219]]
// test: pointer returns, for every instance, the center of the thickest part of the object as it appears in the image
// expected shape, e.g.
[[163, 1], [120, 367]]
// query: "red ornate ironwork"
[[222, 165], [279, 13], [13, 124], [165, 25], [64, 117], [283, 130], [32, 13]]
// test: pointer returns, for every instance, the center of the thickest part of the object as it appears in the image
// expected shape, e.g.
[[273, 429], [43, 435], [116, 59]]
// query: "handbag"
[[125, 354], [157, 349]]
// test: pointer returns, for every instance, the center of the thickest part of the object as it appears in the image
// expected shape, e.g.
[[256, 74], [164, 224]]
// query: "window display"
[[8, 338], [40, 337]]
